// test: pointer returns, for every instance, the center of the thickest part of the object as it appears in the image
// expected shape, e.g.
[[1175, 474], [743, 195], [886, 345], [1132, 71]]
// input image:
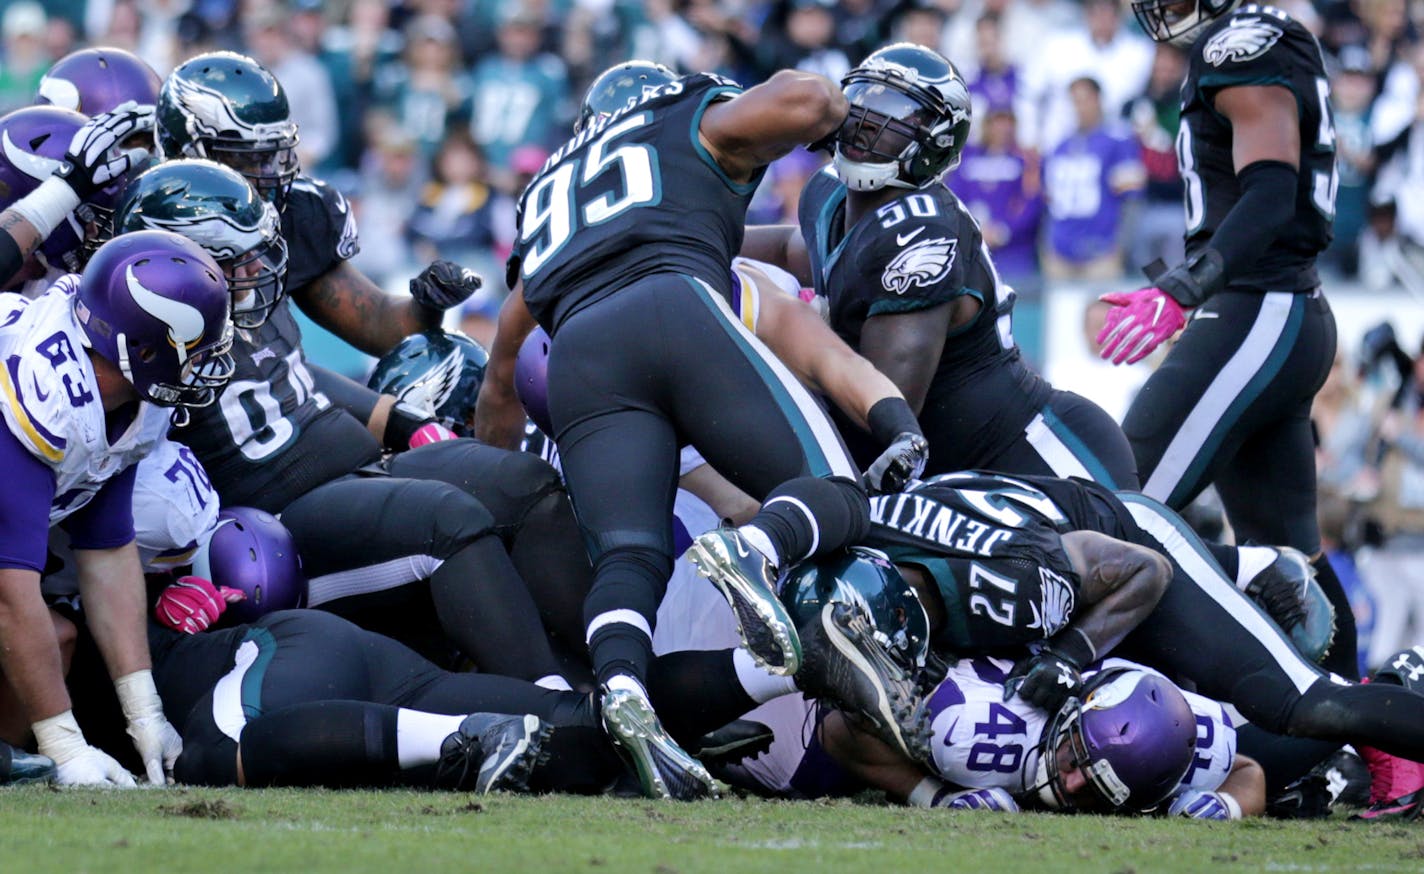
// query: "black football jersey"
[[1258, 45], [993, 546], [633, 195], [271, 436], [918, 251], [320, 231]]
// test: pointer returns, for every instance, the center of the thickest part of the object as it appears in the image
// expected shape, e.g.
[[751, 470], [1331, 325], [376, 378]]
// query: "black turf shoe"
[[498, 750]]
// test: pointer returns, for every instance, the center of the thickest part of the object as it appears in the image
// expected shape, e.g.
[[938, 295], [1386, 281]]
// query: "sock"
[[555, 682], [623, 682], [337, 744], [927, 792], [809, 516], [419, 736], [1251, 560], [760, 684], [1225, 555], [696, 692], [621, 609], [761, 543]]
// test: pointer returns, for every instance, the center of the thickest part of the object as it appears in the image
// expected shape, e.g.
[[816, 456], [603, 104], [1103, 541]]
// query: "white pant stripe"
[[1232, 379], [1055, 453], [618, 617], [227, 693], [1207, 576], [371, 578], [822, 430]]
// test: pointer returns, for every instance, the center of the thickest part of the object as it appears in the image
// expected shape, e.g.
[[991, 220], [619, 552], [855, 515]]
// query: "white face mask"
[[864, 176]]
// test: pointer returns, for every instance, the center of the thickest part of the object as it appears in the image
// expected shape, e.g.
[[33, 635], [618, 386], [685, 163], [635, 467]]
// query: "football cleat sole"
[[846, 666], [739, 572], [664, 769]]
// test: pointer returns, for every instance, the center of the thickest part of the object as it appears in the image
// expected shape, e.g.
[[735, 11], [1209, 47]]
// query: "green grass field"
[[44, 830]]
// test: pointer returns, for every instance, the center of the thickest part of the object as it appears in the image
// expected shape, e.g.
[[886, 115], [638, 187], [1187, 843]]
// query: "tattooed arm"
[[352, 307]]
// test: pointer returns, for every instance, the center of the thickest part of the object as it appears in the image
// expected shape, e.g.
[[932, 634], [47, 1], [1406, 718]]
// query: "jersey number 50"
[[552, 208]]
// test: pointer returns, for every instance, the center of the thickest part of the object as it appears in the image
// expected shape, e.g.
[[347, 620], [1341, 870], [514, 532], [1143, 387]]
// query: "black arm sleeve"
[[351, 396]]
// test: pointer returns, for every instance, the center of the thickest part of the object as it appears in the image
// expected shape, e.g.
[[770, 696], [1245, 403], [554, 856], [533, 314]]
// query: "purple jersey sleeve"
[[107, 520], [24, 511]]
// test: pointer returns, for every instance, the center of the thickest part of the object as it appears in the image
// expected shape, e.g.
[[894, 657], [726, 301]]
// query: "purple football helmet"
[[93, 81], [33, 141], [531, 379], [252, 551], [155, 305], [1133, 737]]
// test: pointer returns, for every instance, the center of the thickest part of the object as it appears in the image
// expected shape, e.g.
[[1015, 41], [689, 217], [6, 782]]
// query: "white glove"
[[94, 158], [77, 763], [156, 740]]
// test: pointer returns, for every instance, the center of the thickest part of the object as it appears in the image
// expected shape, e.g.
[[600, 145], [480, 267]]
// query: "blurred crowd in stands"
[[431, 115]]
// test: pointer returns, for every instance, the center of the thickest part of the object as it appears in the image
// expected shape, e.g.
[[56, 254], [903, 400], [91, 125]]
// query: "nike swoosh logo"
[[736, 542], [902, 239], [39, 395], [1157, 314], [1203, 314]]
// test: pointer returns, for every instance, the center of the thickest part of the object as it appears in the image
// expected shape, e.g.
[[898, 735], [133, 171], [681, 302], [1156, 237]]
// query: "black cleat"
[[18, 767], [748, 582], [845, 666], [498, 749], [737, 741], [664, 769]]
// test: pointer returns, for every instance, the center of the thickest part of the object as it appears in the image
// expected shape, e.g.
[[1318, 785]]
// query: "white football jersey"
[[51, 398], [981, 741], [175, 507]]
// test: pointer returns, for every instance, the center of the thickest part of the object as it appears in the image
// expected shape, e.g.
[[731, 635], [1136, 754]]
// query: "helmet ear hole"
[[147, 354]]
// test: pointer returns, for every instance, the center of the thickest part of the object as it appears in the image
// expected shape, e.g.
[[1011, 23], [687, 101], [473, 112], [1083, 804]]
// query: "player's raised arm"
[[763, 123], [499, 417]]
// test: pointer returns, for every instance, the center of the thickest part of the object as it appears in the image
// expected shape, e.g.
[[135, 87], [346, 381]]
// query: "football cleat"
[[1287, 590], [1402, 809], [748, 582], [737, 741], [1392, 781], [499, 749], [845, 666], [664, 769], [18, 767]]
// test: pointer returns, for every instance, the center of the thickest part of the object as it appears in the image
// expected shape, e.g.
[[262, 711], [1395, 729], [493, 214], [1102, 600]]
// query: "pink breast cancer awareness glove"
[[193, 604], [1138, 323], [431, 432]]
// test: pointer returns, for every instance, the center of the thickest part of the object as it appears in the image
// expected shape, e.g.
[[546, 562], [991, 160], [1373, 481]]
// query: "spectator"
[[427, 93], [995, 82], [922, 24], [1026, 25], [520, 95], [23, 29], [271, 44], [1400, 185], [776, 200], [392, 174], [1118, 59], [460, 215], [1393, 52], [308, 29], [666, 37], [1157, 229], [1000, 186], [1352, 92], [797, 34], [1087, 180]]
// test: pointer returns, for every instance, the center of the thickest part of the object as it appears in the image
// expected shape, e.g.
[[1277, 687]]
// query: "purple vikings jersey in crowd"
[[1084, 211], [981, 741], [991, 186], [61, 456]]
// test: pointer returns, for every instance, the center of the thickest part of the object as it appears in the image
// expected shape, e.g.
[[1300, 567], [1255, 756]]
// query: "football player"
[[62, 173], [97, 80], [1230, 405], [424, 514], [94, 369], [911, 286], [625, 239]]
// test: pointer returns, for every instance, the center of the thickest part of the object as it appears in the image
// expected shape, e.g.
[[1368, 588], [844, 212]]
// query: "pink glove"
[[430, 432], [1138, 323], [192, 604]]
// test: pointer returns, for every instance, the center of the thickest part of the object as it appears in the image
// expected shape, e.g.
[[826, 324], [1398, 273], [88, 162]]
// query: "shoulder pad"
[[1248, 34]]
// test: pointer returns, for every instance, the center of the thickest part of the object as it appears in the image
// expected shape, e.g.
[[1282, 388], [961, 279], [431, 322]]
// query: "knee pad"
[[1325, 711], [449, 518]]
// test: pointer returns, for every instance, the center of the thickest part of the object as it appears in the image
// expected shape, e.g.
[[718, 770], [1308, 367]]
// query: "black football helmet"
[[619, 87], [437, 372], [230, 109], [215, 207], [1179, 22], [864, 577], [908, 122]]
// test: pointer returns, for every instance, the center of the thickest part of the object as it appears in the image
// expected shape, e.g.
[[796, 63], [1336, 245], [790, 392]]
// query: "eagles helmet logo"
[[211, 115], [1242, 40], [923, 264], [431, 391]]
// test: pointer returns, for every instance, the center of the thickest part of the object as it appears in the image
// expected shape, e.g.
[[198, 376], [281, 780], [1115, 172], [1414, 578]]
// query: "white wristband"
[[138, 695], [47, 206], [925, 793], [1233, 807], [59, 737]]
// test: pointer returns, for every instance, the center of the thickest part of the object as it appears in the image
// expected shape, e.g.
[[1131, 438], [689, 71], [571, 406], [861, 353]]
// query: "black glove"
[[1046, 680], [444, 284], [94, 159], [902, 461]]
